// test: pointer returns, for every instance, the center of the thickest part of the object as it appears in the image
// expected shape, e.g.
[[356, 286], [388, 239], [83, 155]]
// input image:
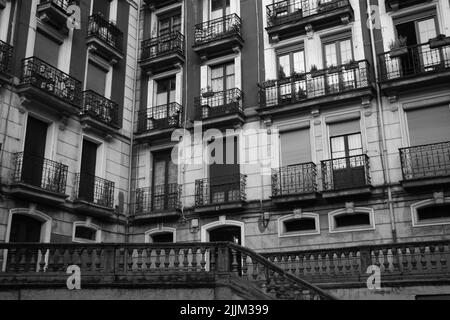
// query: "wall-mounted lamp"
[[265, 219], [194, 225]]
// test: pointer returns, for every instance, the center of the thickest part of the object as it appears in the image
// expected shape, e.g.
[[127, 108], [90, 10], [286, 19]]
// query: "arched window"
[[165, 235], [298, 225], [430, 212], [84, 232], [357, 219]]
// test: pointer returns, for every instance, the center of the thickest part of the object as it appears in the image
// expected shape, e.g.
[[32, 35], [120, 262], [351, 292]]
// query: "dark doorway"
[[163, 237], [34, 152], [25, 229], [87, 172], [228, 234], [102, 7]]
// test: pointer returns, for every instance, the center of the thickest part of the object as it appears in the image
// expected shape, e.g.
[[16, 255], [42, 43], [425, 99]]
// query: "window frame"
[[332, 222], [291, 61], [282, 233], [85, 224], [423, 204], [337, 43]]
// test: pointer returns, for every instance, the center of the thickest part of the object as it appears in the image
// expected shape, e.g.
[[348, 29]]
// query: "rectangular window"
[[169, 23], [290, 63], [295, 147], [46, 49], [428, 125], [96, 79], [219, 8], [101, 7], [165, 91], [164, 185]]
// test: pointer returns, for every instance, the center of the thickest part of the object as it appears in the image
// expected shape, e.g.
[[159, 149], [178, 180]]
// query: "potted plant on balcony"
[[297, 76], [315, 72], [334, 69], [207, 92], [398, 47], [351, 64], [440, 41]]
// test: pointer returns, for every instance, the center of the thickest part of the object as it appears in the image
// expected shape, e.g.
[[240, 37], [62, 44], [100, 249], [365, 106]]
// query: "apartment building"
[[66, 119], [351, 113]]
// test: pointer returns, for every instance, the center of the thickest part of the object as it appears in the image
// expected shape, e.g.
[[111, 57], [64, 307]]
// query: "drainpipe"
[[381, 129], [133, 121]]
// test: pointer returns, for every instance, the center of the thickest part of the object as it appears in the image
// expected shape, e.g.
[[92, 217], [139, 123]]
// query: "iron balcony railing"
[[6, 52], [289, 11], [319, 83], [158, 198], [346, 173], [217, 29], [165, 44], [111, 265], [94, 190], [60, 4], [106, 31], [216, 104], [427, 161], [294, 179], [41, 75], [160, 117], [220, 190], [40, 172], [413, 61], [100, 108]]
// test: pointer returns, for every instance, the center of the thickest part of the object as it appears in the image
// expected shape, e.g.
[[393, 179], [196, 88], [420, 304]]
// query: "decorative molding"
[[309, 31]]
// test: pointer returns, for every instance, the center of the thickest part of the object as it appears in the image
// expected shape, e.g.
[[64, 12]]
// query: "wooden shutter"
[[346, 127], [429, 125], [96, 79], [46, 49], [295, 147]]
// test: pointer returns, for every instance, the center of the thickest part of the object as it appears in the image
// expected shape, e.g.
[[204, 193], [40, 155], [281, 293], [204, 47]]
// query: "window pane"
[[299, 62], [358, 219], [85, 233], [427, 30], [330, 55], [284, 67], [346, 51], [306, 224]]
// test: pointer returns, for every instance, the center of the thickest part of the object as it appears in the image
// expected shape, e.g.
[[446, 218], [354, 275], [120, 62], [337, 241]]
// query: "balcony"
[[54, 13], [351, 81], [161, 202], [295, 183], [220, 193], [94, 195], [39, 179], [347, 176], [410, 264], [394, 5], [99, 113], [6, 52], [159, 122], [426, 165], [290, 18], [220, 107], [153, 267], [413, 67], [157, 4], [162, 53], [105, 39], [50, 88], [219, 36]]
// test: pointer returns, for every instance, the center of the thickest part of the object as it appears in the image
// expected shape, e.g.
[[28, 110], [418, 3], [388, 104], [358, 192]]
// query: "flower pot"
[[351, 65], [398, 52], [318, 73], [207, 94], [439, 42]]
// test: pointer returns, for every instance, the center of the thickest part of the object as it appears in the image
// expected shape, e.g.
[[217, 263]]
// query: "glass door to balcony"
[[165, 96], [348, 168], [87, 188], [224, 178], [338, 53], [168, 24], [221, 81], [291, 64], [219, 9], [34, 153], [101, 7], [165, 182]]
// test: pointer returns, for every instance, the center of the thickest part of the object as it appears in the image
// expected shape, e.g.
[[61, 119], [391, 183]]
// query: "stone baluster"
[[158, 258], [167, 258], [332, 263], [185, 259], [433, 260], [203, 260], [140, 260], [89, 260], [194, 262], [99, 254], [423, 260], [442, 260], [412, 254], [129, 260], [404, 256], [234, 263], [176, 262]]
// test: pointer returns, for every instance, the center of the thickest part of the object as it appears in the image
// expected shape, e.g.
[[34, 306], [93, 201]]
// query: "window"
[[299, 225], [169, 23], [431, 212], [165, 91], [335, 54], [355, 219], [295, 147], [161, 235], [46, 49], [86, 232], [219, 8], [428, 125], [96, 78], [165, 178], [222, 77], [290, 63]]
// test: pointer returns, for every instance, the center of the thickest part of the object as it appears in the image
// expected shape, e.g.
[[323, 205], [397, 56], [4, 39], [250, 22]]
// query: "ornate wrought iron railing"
[[427, 161], [100, 108], [105, 31], [159, 46], [158, 198], [318, 83], [6, 52], [218, 29], [41, 75], [94, 190], [60, 4], [294, 179], [289, 11], [40, 172], [119, 263], [160, 117], [216, 104], [413, 60], [220, 190], [345, 173]]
